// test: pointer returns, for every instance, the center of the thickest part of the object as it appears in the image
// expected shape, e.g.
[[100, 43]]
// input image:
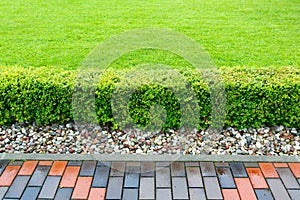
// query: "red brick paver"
[[70, 176], [8, 175], [82, 188], [28, 168], [58, 168], [268, 170], [256, 178], [295, 167], [137, 180], [230, 194]]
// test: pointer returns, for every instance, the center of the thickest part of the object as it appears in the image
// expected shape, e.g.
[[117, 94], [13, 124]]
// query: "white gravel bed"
[[69, 139]]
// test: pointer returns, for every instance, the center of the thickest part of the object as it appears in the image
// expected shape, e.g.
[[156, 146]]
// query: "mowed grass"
[[254, 33]]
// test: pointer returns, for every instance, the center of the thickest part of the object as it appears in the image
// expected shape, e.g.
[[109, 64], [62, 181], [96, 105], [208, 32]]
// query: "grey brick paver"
[[207, 169], [191, 164], [63, 193], [288, 179], [39, 176], [194, 177], [278, 190], [212, 188], [179, 188], [117, 169], [3, 164], [31, 193], [147, 188], [163, 194], [49, 188], [87, 168], [101, 177], [74, 163], [238, 170], [221, 164], [130, 194], [295, 194], [17, 187], [147, 169], [177, 169], [197, 194], [3, 190], [163, 177], [132, 177], [114, 189], [264, 194], [251, 164], [225, 178]]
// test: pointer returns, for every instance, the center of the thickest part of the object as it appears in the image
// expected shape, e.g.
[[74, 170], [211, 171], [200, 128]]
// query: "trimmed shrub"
[[255, 97]]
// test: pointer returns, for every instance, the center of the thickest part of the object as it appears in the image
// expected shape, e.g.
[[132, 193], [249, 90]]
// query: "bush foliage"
[[255, 97]]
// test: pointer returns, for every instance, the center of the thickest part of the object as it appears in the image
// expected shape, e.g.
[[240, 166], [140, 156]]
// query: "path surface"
[[148, 180]]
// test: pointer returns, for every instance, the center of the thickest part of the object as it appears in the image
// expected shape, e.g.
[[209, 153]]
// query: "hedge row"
[[255, 96]]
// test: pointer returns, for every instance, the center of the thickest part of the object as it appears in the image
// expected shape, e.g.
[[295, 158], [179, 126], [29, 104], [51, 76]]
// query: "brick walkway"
[[148, 180]]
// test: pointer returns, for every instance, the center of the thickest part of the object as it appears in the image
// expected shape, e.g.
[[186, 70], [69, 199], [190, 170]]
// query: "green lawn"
[[234, 32]]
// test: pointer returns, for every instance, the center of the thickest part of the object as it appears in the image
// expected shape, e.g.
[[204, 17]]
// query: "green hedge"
[[255, 96]]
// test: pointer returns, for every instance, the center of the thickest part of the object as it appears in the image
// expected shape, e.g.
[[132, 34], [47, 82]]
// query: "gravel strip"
[[69, 139]]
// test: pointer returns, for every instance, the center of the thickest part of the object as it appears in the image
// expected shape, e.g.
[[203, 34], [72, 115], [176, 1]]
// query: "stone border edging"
[[156, 158]]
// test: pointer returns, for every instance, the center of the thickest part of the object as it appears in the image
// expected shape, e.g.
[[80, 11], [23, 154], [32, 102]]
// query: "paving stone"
[[31, 193], [238, 170], [230, 194], [58, 168], [63, 193], [103, 164], [163, 177], [3, 190], [3, 164], [147, 188], [288, 178], [74, 163], [177, 169], [15, 163], [280, 165], [212, 188], [45, 163], [132, 178], [133, 164], [207, 169], [147, 169], [162, 164], [295, 194], [256, 177], [225, 178], [268, 170], [17, 187], [97, 194], [295, 167], [28, 168], [299, 180], [197, 193], [114, 189], [87, 168], [251, 164], [244, 188], [8, 175], [70, 176], [130, 194], [277, 188], [163, 194], [194, 177], [101, 177], [179, 188], [82, 188], [221, 164], [49, 188], [263, 194], [117, 169], [39, 175], [191, 164]]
